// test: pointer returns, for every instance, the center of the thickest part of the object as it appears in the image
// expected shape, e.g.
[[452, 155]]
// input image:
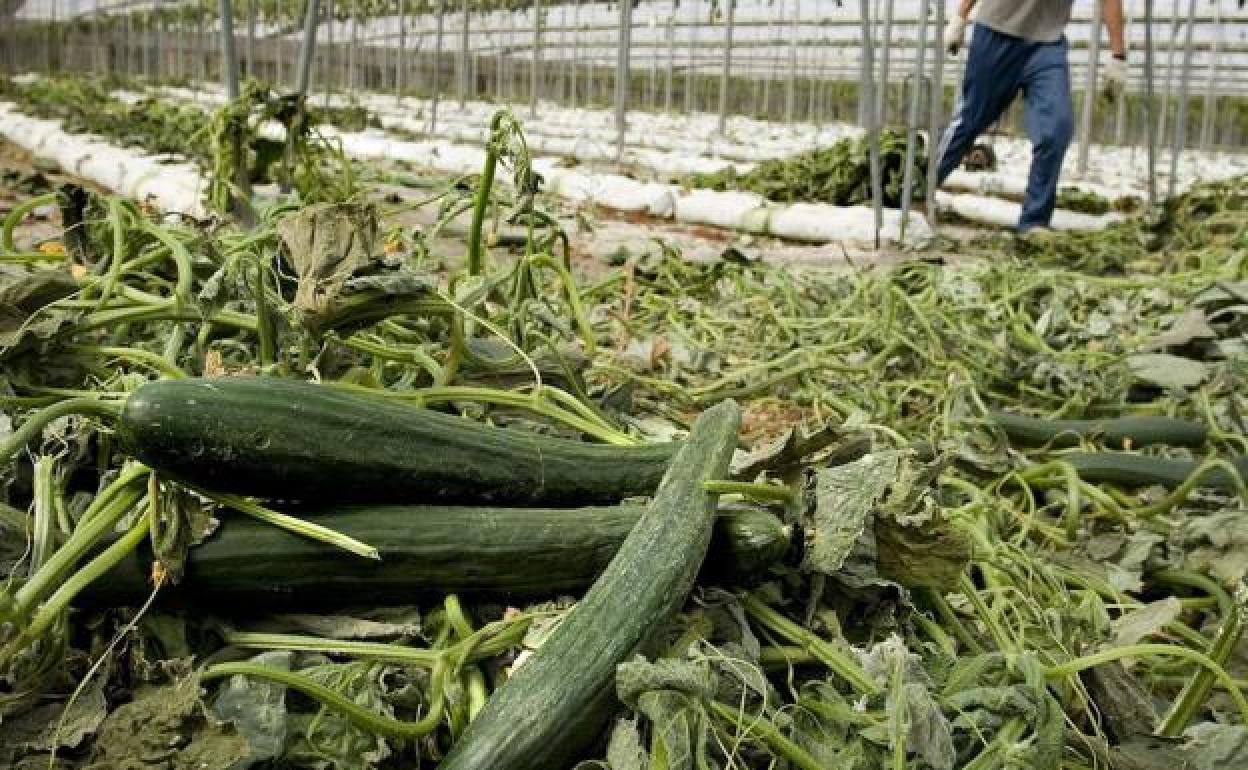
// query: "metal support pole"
[[327, 62], [576, 52], [691, 69], [623, 69], [461, 64], [307, 49], [402, 53], [1090, 87], [535, 72], [251, 38], [881, 93], [352, 54], [1180, 123], [671, 62], [1150, 102], [1165, 98], [937, 113], [1210, 106], [877, 182], [790, 86], [912, 120], [436, 82], [240, 201], [726, 74]]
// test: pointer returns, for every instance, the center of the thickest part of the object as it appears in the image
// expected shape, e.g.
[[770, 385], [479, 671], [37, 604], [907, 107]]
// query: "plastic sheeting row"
[[171, 186]]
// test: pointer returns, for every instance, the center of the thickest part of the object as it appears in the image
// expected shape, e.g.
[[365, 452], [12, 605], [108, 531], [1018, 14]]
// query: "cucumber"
[[504, 552], [552, 707], [1118, 432], [1132, 470], [292, 440]]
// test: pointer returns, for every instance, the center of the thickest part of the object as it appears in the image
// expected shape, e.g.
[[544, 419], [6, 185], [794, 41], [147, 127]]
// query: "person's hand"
[[1116, 76], [955, 34]]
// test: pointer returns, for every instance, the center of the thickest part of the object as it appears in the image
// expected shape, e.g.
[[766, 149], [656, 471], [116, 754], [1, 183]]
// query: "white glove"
[[955, 34], [1115, 76]]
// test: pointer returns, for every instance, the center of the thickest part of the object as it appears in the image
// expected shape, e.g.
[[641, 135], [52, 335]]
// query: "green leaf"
[[1167, 371]]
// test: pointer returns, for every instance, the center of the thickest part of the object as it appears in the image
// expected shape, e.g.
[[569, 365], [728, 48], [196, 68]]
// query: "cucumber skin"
[[1117, 432], [1132, 470], [251, 566], [292, 440], [551, 708]]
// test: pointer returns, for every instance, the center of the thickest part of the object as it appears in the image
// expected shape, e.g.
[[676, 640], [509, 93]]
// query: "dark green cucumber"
[[294, 440], [1132, 470], [551, 708], [1118, 432], [504, 552]]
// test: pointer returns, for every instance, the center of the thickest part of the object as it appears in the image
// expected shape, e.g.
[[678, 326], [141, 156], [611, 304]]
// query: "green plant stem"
[[768, 734], [1072, 667], [19, 213], [290, 523], [35, 424], [839, 662], [354, 713], [1196, 692], [768, 492], [482, 201], [145, 357]]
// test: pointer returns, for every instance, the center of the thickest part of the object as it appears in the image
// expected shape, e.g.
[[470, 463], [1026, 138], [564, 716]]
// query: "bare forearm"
[[1117, 28], [966, 6]]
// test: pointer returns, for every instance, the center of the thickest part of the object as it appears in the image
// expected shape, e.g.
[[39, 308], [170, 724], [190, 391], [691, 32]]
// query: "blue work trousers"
[[997, 67]]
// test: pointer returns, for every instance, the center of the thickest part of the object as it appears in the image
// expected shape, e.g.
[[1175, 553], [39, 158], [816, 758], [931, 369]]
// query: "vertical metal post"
[[574, 97], [461, 64], [1090, 88], [671, 62], [1180, 122], [535, 71], [882, 92], [937, 112], [503, 39], [353, 62], [912, 120], [691, 68], [877, 184], [790, 86], [200, 62], [251, 38], [1165, 98], [1210, 106], [436, 82], [402, 52], [1150, 102], [307, 49], [327, 61], [240, 200], [623, 70], [726, 74]]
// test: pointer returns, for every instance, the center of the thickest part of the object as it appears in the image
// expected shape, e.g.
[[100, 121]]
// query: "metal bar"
[[241, 196], [877, 183], [1180, 123], [307, 48], [251, 38], [1210, 106], [623, 68], [353, 61], [937, 113], [1089, 88], [535, 70], [1150, 102], [691, 70], [327, 61], [726, 75], [882, 93], [790, 86], [461, 63], [436, 81], [1165, 98], [202, 63], [912, 120], [402, 52], [671, 62]]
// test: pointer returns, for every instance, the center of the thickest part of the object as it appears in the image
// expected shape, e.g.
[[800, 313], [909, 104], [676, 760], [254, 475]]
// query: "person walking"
[[1020, 45]]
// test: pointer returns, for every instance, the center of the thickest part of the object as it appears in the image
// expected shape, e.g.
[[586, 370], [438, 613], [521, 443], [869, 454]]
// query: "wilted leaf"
[[1212, 746], [1144, 621], [839, 503], [1191, 326], [624, 749], [1167, 371], [257, 709]]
